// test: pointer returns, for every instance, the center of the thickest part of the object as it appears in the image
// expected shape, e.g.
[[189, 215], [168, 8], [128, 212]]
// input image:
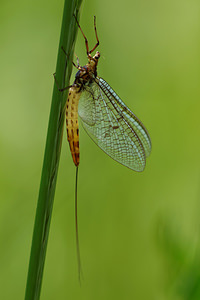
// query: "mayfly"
[[106, 119]]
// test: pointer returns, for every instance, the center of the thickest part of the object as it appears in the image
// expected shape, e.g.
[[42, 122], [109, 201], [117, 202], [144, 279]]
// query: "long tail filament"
[[76, 224]]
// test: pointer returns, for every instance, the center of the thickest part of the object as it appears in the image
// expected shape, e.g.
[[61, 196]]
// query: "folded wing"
[[113, 126]]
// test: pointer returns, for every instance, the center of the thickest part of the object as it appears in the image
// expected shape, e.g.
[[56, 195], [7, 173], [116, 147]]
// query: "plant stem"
[[52, 151]]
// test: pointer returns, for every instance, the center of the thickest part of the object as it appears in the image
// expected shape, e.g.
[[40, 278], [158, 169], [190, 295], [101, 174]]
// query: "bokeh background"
[[139, 232]]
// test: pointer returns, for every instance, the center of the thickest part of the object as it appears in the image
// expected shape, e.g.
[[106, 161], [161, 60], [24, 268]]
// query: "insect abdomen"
[[72, 124]]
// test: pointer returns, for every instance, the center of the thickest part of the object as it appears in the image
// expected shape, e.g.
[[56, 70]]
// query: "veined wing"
[[134, 122], [112, 125]]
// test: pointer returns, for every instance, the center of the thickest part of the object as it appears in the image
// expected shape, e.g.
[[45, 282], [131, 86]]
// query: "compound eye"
[[97, 55]]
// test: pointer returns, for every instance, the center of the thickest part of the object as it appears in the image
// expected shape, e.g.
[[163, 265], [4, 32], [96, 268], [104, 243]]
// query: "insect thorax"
[[86, 74]]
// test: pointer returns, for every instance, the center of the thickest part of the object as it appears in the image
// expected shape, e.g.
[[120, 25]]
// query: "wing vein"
[[113, 127]]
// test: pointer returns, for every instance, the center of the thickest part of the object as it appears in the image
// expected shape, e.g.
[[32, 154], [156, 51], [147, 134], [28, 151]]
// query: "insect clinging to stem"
[[106, 119]]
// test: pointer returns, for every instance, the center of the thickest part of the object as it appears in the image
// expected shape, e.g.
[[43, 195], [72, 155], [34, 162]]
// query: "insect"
[[106, 119]]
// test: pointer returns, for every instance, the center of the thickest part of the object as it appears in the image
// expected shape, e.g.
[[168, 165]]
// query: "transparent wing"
[[112, 125]]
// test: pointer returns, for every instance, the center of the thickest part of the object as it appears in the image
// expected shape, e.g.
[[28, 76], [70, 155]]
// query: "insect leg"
[[63, 89], [95, 29], [86, 41], [68, 58]]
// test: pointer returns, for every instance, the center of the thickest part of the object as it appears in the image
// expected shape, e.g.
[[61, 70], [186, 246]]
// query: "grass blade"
[[52, 152]]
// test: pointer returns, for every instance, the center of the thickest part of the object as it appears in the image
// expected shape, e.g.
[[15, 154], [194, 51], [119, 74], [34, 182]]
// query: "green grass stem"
[[52, 152]]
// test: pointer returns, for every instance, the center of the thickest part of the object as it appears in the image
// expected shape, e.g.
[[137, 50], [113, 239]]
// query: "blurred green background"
[[139, 232]]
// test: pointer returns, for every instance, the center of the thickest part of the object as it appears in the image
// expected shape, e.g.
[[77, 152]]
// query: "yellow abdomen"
[[72, 123]]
